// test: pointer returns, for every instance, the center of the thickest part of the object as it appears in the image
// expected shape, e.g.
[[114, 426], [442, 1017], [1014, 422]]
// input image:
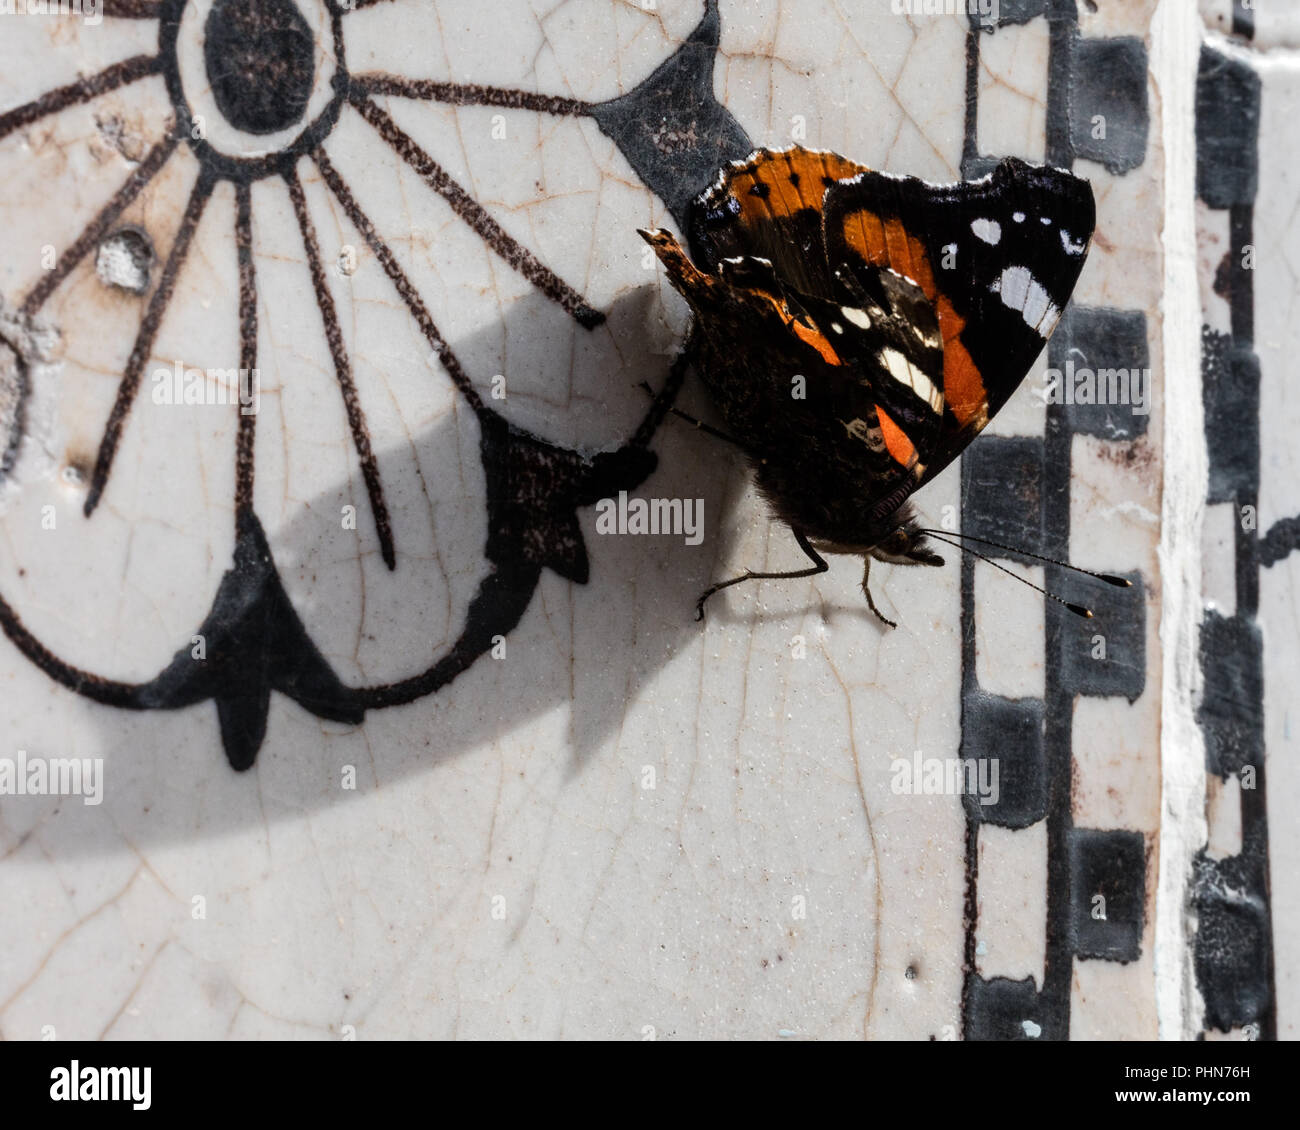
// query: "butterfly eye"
[[897, 542]]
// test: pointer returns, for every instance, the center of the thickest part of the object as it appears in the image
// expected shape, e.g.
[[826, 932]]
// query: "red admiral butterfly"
[[857, 330]]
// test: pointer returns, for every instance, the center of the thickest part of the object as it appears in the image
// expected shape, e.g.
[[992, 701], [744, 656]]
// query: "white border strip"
[[1176, 44]]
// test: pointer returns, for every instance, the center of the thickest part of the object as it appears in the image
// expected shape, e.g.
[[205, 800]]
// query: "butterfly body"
[[856, 330]]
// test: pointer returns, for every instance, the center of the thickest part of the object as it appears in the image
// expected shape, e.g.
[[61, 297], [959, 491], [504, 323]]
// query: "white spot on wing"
[[1048, 322], [990, 231], [1019, 217], [1021, 291], [1037, 304], [1071, 248], [859, 318], [1013, 285], [905, 373]]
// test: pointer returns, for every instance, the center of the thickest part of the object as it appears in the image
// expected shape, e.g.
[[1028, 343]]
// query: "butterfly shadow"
[[588, 649]]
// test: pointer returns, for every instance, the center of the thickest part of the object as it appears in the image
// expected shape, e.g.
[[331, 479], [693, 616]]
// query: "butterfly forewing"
[[770, 206], [998, 258]]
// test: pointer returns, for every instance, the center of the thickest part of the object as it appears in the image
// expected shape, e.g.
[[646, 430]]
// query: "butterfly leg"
[[866, 572], [662, 402], [818, 566], [699, 424]]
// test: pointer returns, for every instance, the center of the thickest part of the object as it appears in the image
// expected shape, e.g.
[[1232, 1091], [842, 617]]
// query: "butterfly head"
[[905, 545]]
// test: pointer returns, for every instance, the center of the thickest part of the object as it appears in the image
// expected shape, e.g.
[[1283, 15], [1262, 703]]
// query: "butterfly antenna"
[[1077, 609], [1109, 578]]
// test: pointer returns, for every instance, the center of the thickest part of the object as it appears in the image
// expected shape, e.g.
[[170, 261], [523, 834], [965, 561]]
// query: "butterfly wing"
[[770, 206], [871, 416], [890, 358], [998, 258]]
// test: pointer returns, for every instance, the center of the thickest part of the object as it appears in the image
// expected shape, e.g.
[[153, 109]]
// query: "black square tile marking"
[[1107, 893]]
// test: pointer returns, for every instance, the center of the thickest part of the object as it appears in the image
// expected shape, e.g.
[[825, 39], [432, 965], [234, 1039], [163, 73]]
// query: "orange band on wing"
[[864, 232], [963, 387], [900, 448], [786, 181], [818, 340], [886, 243]]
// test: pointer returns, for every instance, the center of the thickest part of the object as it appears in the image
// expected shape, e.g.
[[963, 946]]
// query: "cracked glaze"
[[501, 866]]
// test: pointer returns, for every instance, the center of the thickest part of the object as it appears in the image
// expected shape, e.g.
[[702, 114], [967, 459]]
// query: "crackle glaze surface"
[[394, 741]]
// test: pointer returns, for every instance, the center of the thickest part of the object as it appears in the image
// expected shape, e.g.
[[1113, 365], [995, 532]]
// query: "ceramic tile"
[[1248, 274], [396, 741]]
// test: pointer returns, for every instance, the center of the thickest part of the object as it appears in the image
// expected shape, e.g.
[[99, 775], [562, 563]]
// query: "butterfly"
[[856, 329]]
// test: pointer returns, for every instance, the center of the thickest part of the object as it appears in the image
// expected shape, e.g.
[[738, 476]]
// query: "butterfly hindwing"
[[865, 415], [890, 368]]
